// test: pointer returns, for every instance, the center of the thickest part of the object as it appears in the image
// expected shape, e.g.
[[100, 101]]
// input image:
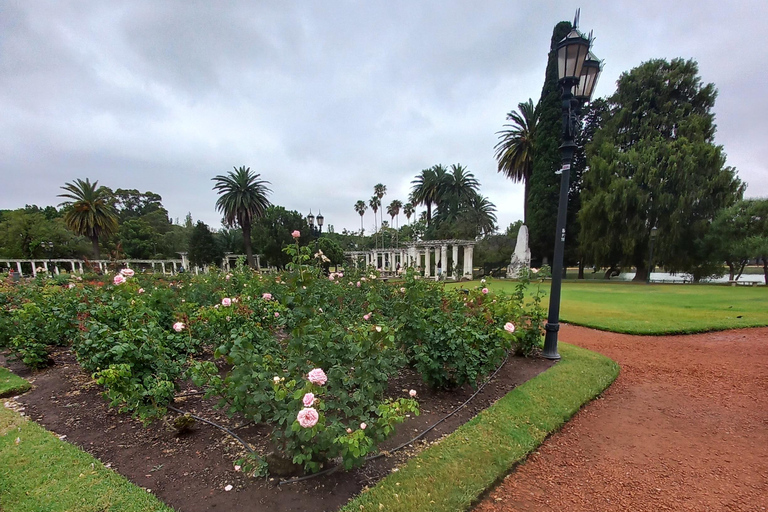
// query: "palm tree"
[[393, 210], [457, 187], [90, 213], [360, 208], [408, 210], [426, 188], [374, 203], [484, 213], [242, 199], [380, 190], [515, 150]]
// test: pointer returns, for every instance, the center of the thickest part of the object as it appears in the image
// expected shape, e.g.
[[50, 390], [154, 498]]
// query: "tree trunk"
[[247, 242], [95, 243], [765, 268], [581, 268], [641, 274], [731, 269]]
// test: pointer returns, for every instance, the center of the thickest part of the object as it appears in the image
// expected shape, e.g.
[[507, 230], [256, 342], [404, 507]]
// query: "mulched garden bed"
[[190, 471]]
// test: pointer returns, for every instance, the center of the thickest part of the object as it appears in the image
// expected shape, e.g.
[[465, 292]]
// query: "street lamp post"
[[577, 68], [311, 221], [49, 249], [650, 255]]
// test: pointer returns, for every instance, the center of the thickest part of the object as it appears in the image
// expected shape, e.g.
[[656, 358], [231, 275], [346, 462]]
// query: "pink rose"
[[118, 279], [509, 327], [296, 234], [535, 270], [141, 290], [317, 376], [485, 290], [308, 399], [366, 316], [266, 296], [71, 285], [412, 393], [127, 272], [226, 301], [277, 314], [362, 426], [349, 431], [307, 417], [358, 284], [228, 277], [178, 326], [331, 277]]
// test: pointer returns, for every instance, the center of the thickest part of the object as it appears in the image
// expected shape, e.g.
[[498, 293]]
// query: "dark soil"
[[189, 472]]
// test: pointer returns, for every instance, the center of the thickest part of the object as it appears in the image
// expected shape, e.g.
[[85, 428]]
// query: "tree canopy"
[[655, 164], [242, 199], [88, 211], [544, 183]]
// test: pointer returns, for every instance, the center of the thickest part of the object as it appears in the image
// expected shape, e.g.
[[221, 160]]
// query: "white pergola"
[[432, 256]]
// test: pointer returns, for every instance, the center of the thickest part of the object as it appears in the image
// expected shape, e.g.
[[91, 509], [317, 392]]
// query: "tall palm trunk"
[[95, 244], [247, 242]]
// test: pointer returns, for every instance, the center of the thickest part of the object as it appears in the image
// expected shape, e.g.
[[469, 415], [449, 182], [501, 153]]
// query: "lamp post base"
[[550, 342]]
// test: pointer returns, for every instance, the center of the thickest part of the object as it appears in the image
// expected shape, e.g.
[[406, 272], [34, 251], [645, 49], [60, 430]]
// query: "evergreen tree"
[[654, 164], [544, 183], [591, 120], [203, 249]]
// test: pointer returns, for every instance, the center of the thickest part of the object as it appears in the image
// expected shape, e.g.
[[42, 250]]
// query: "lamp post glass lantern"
[[311, 221], [578, 71]]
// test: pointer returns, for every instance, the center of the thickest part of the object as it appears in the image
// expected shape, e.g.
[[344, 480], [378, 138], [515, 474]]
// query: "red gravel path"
[[684, 427]]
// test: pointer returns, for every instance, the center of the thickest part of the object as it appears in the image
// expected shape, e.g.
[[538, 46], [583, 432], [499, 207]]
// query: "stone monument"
[[521, 258]]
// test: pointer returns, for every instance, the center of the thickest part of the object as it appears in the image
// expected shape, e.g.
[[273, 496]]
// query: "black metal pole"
[[567, 149], [650, 261]]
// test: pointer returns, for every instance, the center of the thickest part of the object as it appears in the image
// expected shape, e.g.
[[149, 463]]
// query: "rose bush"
[[307, 355]]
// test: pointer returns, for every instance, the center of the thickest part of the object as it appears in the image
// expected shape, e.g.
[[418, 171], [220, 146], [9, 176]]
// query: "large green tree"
[[426, 189], [655, 164], [591, 120], [203, 249], [272, 232], [88, 211], [515, 150], [242, 199], [544, 183], [739, 234]]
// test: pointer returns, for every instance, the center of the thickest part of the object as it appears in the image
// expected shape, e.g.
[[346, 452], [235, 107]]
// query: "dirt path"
[[684, 427]]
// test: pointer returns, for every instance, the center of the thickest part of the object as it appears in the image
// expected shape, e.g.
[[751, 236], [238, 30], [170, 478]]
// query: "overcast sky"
[[327, 98]]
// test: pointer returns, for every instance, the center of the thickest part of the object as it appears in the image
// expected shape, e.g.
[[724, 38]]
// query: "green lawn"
[[655, 309], [38, 473], [11, 384]]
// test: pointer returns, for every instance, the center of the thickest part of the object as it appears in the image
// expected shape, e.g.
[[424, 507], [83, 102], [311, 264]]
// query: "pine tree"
[[544, 183], [655, 164]]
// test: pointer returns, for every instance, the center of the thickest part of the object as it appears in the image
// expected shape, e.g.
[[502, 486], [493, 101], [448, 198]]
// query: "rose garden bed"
[[190, 471], [308, 370]]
